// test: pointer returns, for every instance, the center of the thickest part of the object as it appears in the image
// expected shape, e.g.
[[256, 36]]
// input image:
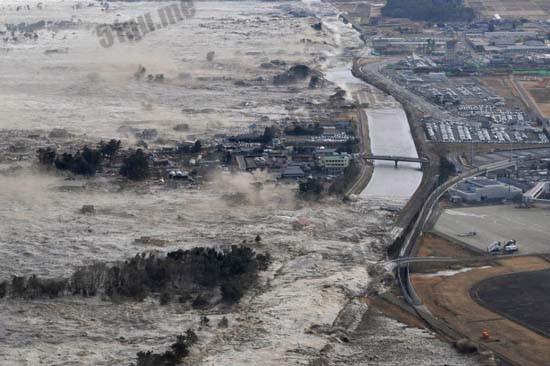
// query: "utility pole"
[[472, 153], [509, 178]]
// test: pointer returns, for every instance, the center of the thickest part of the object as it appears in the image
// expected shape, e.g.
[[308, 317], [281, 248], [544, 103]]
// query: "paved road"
[[502, 222]]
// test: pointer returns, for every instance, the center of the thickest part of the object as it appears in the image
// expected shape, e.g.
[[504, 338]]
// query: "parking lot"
[[479, 114], [498, 223], [497, 134]]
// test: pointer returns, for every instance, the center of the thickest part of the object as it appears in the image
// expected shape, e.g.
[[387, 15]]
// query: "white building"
[[485, 190], [335, 162]]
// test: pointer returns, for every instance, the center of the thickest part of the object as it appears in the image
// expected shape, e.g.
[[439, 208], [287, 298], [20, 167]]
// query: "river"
[[388, 127], [390, 134]]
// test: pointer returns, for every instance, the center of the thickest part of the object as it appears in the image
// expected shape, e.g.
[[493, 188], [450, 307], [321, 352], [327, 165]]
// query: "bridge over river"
[[397, 159]]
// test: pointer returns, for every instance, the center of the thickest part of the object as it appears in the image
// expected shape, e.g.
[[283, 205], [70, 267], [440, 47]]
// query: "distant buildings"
[[513, 42], [297, 149], [394, 46]]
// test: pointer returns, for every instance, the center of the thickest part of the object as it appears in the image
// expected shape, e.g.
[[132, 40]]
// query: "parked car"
[[494, 247], [510, 247], [498, 248]]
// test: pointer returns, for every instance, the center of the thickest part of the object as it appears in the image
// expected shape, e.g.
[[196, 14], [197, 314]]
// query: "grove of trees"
[[87, 161], [296, 129], [174, 356], [446, 169], [136, 166], [197, 275], [310, 189]]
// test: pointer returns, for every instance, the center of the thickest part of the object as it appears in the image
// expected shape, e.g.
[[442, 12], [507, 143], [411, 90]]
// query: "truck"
[[497, 247]]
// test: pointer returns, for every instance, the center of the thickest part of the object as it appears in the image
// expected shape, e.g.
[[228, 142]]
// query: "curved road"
[[423, 216]]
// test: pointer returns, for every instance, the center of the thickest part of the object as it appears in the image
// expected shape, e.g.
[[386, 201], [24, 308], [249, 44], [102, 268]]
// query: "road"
[[527, 99], [373, 72], [423, 217]]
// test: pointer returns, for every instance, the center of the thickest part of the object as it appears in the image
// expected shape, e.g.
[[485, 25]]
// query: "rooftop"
[[484, 182]]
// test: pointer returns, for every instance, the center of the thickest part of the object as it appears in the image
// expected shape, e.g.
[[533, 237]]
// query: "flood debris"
[[294, 74], [88, 209], [149, 241], [466, 346], [317, 26]]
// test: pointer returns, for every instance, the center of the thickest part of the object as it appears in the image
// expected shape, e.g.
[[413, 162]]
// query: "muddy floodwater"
[[66, 79], [325, 254]]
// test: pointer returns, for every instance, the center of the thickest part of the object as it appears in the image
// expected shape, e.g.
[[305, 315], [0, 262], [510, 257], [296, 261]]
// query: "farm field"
[[530, 9]]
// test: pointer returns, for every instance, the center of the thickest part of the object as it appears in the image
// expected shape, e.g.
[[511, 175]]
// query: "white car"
[[495, 247], [510, 247], [498, 248]]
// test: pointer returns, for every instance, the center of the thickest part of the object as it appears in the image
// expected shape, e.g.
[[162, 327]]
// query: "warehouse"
[[485, 190]]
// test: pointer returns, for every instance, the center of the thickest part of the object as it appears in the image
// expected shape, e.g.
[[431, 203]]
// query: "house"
[[292, 172]]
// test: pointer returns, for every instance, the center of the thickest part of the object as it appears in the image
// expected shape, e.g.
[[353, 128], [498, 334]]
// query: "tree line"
[[313, 129], [197, 275], [90, 161]]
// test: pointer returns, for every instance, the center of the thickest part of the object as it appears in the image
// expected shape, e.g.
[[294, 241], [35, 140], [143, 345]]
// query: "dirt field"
[[540, 95], [448, 298], [530, 9], [503, 86], [433, 245], [515, 295]]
